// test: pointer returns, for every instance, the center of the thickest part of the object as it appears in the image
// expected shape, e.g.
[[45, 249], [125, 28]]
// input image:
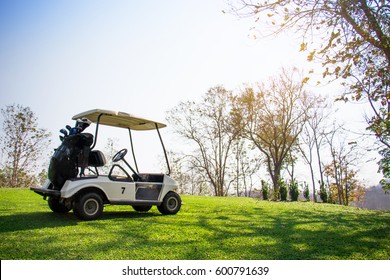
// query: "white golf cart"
[[86, 194]]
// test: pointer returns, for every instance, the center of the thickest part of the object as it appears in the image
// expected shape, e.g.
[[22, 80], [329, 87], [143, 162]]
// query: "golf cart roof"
[[119, 119]]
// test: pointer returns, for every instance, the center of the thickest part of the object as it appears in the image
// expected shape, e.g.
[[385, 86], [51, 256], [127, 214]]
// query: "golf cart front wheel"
[[171, 204], [88, 206]]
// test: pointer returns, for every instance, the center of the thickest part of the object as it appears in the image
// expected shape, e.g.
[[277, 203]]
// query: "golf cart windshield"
[[122, 120]]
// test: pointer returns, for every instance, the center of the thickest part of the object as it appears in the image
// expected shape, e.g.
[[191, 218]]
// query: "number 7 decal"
[[123, 190]]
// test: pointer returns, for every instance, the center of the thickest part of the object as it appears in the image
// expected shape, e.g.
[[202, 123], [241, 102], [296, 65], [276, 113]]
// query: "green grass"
[[205, 228]]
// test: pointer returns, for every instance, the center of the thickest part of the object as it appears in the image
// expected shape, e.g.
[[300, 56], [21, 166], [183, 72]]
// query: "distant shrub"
[[274, 195], [293, 190], [323, 193], [282, 190], [265, 190], [306, 192]]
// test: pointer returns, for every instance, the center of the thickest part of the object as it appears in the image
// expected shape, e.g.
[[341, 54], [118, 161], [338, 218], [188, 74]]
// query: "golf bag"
[[71, 155]]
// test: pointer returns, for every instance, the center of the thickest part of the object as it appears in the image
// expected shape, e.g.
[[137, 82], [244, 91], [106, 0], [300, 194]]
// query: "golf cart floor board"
[[46, 192], [146, 191]]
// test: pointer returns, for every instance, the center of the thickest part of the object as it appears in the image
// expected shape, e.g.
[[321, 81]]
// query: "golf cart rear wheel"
[[88, 206], [56, 206], [171, 204], [142, 208]]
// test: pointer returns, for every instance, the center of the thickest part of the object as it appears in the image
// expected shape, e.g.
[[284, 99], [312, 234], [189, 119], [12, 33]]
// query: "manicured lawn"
[[205, 228]]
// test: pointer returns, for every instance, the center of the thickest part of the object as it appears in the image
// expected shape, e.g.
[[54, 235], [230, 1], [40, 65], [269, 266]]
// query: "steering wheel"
[[119, 155]]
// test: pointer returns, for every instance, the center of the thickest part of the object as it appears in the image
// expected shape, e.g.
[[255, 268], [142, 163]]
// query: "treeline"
[[350, 40], [270, 126]]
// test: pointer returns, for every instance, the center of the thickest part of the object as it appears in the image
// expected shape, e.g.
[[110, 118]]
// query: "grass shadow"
[[35, 220], [109, 215], [39, 220]]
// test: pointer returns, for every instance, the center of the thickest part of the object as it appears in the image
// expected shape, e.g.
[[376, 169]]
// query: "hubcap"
[[91, 206], [172, 203]]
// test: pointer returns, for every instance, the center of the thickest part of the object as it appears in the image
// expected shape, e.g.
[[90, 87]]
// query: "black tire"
[[56, 206], [88, 206], [171, 204], [142, 208]]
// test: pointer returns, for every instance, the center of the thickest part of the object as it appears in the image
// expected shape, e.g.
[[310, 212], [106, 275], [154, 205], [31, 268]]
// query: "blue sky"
[[143, 57], [136, 56]]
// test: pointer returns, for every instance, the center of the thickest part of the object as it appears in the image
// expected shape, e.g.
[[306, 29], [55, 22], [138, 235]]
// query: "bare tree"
[[179, 172], [246, 167], [312, 138], [207, 126], [110, 149], [22, 144]]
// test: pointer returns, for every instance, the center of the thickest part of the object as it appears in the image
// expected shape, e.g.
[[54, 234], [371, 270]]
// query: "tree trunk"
[[275, 175], [322, 183]]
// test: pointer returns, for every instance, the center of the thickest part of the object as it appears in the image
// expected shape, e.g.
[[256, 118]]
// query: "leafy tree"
[[350, 38], [22, 144], [272, 116], [347, 188], [344, 186], [384, 167], [208, 127]]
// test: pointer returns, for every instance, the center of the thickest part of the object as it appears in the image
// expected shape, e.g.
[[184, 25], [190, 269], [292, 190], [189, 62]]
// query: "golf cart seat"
[[96, 159]]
